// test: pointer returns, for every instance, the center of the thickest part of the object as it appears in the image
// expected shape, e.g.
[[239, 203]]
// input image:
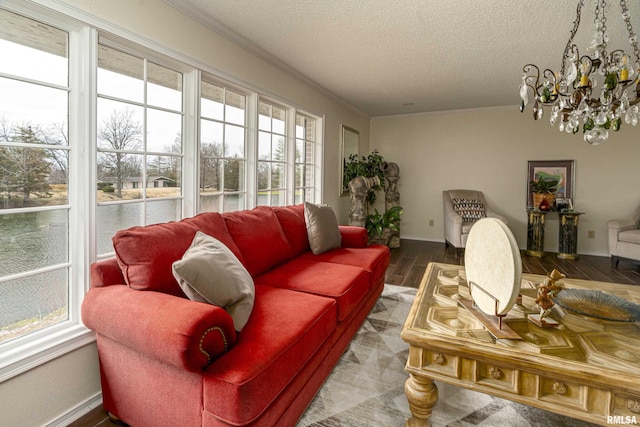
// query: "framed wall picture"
[[350, 141], [561, 170]]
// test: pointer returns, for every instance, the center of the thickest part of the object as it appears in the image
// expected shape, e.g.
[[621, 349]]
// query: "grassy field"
[[59, 196]]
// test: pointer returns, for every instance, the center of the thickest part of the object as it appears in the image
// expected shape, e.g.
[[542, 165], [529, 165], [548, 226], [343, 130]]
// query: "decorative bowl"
[[593, 303]]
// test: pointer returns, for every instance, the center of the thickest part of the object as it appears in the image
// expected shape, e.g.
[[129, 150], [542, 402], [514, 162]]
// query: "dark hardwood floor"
[[410, 260]]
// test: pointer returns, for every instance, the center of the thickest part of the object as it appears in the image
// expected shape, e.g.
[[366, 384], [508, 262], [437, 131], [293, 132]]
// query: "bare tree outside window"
[[122, 133]]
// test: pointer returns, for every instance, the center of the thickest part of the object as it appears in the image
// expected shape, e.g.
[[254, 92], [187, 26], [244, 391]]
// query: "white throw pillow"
[[210, 272], [322, 228]]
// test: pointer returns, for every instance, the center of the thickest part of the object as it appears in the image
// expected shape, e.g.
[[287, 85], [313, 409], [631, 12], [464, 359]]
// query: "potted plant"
[[379, 226], [368, 167], [543, 188]]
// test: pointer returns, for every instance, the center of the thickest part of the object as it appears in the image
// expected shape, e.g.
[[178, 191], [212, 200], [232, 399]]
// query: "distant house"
[[134, 182]]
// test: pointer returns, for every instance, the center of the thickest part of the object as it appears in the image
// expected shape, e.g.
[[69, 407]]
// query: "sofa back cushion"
[[210, 272], [259, 237], [293, 225], [322, 228], [145, 254]]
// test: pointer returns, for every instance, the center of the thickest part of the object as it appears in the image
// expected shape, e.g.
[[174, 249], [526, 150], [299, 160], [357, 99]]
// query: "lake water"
[[35, 240], [30, 241]]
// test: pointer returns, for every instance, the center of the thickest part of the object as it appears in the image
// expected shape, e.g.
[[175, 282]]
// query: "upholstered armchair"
[[462, 208], [624, 238]]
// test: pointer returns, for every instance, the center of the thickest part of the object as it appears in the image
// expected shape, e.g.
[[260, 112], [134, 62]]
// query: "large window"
[[98, 134], [306, 149], [34, 179], [139, 138], [223, 148], [272, 154]]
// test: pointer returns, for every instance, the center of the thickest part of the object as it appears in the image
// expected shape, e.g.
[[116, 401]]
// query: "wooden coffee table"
[[585, 368]]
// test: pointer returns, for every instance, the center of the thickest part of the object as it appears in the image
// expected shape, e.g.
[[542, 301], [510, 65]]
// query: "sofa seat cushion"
[[291, 220], [375, 259], [346, 284], [146, 254], [285, 329], [259, 237], [629, 236]]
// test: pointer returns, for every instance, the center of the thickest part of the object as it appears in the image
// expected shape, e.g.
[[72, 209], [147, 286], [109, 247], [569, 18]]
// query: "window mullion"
[[290, 158], [191, 143], [252, 151]]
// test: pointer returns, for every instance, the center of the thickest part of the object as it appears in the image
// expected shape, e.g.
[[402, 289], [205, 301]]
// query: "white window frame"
[[249, 150], [289, 186], [147, 55], [25, 352]]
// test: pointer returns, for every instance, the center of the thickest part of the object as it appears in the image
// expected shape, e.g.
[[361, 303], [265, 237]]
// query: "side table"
[[568, 235], [535, 232]]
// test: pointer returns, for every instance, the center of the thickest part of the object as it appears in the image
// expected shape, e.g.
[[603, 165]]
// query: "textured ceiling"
[[396, 57]]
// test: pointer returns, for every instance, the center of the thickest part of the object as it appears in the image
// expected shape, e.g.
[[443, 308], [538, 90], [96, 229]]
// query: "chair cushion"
[[273, 347], [146, 254], [346, 284], [466, 227], [322, 228], [258, 235], [630, 236], [291, 220], [210, 272], [470, 210]]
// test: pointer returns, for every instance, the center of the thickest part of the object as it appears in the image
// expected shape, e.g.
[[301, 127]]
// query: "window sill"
[[31, 352]]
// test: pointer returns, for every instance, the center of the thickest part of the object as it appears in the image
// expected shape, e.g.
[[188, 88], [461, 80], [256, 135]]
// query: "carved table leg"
[[422, 395]]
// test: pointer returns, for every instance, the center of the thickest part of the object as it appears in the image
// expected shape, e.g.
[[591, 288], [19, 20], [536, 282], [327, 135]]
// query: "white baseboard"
[[78, 412]]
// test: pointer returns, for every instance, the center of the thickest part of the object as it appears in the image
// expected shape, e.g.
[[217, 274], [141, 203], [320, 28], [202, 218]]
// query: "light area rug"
[[366, 388]]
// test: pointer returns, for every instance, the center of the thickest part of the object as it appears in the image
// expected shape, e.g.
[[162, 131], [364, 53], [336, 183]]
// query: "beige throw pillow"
[[322, 228], [210, 272]]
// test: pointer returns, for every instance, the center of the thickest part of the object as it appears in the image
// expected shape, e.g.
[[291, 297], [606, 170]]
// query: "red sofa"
[[169, 361]]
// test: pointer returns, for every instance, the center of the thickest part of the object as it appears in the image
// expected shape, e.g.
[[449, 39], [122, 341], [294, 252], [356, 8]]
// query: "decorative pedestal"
[[535, 232], [568, 235]]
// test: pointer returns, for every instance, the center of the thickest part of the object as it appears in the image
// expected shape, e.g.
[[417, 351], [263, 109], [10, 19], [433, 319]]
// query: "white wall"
[[488, 150], [51, 392]]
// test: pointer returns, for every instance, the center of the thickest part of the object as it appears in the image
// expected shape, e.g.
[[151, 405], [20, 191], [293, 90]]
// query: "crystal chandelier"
[[590, 89]]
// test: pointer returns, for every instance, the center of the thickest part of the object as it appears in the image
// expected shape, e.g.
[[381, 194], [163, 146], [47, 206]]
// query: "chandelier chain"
[[633, 39], [600, 9]]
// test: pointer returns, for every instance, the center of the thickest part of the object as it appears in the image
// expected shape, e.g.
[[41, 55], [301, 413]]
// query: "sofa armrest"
[[174, 330], [353, 236], [492, 214], [616, 226], [105, 273], [622, 224]]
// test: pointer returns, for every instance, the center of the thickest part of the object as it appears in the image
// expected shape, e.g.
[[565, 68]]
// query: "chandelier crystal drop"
[[599, 90]]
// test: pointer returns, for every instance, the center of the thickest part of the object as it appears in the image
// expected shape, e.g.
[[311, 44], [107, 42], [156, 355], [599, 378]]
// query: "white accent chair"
[[624, 238], [460, 217]]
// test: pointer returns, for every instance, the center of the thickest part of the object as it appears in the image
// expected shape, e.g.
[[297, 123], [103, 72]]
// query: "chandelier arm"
[[532, 80], [574, 30]]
